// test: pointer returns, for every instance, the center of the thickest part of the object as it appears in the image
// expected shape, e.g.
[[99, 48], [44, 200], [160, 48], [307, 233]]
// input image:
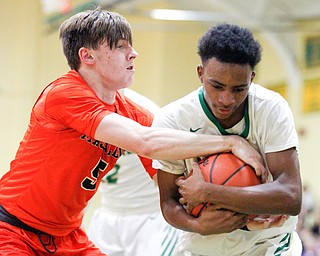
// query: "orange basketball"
[[226, 169]]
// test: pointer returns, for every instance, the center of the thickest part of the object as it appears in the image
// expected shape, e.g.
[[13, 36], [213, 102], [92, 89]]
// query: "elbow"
[[296, 207], [146, 148], [294, 203]]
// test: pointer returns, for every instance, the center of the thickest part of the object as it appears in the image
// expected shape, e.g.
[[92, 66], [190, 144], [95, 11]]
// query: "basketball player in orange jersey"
[[228, 102], [129, 221], [79, 126]]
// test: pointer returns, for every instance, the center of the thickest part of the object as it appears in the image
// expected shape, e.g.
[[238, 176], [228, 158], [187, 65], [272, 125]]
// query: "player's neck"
[[104, 92], [235, 118]]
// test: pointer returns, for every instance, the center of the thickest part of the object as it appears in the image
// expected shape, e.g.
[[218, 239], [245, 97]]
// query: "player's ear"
[[86, 56], [253, 74], [200, 72]]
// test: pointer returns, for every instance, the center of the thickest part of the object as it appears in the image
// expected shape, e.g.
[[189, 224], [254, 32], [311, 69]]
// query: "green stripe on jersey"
[[214, 120], [284, 245], [170, 241]]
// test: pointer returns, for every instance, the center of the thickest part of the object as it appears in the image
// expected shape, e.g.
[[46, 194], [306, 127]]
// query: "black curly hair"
[[230, 44]]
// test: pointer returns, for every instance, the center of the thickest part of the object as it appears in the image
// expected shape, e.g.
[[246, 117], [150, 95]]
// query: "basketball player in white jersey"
[[129, 221], [228, 102]]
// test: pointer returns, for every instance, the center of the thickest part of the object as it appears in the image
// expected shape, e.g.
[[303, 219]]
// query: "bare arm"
[[211, 221], [170, 144], [282, 196]]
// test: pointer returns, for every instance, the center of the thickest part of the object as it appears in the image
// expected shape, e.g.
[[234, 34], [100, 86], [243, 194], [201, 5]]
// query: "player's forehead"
[[224, 73]]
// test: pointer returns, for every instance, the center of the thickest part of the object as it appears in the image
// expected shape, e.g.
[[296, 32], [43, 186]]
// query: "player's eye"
[[239, 89], [217, 87]]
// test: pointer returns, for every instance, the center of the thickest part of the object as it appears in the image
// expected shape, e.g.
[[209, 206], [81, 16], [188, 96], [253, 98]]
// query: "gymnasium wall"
[[165, 71]]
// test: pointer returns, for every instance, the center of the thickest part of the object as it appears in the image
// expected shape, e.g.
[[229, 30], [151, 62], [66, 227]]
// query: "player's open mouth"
[[130, 68]]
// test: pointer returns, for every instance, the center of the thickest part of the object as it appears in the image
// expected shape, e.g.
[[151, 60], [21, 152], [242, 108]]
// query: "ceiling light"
[[170, 14]]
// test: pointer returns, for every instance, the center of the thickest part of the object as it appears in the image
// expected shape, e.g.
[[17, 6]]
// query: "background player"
[[229, 103], [129, 221], [79, 126]]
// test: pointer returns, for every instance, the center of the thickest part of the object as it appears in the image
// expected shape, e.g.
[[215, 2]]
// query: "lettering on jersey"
[[112, 176], [89, 183], [109, 149]]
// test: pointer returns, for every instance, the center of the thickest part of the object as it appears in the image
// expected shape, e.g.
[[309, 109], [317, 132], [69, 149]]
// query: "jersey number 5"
[[89, 183]]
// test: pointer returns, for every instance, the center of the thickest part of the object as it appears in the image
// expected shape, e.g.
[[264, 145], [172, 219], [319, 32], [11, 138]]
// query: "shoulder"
[[179, 112], [270, 111], [70, 84], [67, 95], [264, 99], [184, 103], [261, 93]]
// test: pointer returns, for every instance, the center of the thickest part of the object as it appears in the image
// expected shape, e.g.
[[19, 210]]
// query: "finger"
[[214, 207], [266, 223], [188, 210], [257, 225], [180, 180], [181, 200], [264, 174], [196, 168], [261, 171], [240, 220], [279, 221]]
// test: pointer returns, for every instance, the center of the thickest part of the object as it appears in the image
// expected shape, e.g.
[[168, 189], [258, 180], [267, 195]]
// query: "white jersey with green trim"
[[267, 124]]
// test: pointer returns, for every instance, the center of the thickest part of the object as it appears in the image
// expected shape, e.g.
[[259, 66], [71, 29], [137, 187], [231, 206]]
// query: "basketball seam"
[[212, 166], [235, 172], [204, 206]]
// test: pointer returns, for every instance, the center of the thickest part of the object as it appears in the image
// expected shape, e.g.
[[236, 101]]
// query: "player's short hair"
[[90, 29], [230, 44]]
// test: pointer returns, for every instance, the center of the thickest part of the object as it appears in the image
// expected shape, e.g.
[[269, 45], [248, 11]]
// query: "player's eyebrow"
[[213, 81]]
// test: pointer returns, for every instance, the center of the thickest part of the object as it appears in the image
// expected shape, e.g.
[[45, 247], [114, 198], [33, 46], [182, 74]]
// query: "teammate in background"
[[79, 126], [228, 102], [129, 221]]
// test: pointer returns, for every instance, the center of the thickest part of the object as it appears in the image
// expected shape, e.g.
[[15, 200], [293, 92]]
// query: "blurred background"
[[166, 34]]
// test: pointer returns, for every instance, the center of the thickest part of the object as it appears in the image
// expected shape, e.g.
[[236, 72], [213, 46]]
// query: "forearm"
[[177, 217], [172, 210], [171, 144], [269, 198], [159, 143], [210, 221], [281, 196]]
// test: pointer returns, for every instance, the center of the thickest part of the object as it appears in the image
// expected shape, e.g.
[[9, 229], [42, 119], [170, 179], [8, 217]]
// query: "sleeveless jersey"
[[59, 165]]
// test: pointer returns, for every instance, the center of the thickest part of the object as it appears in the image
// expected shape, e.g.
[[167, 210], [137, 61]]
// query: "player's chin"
[[127, 80]]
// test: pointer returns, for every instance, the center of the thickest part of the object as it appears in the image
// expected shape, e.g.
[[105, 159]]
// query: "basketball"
[[225, 169]]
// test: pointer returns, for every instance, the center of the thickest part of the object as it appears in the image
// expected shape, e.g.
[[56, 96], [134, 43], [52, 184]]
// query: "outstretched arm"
[[170, 144]]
